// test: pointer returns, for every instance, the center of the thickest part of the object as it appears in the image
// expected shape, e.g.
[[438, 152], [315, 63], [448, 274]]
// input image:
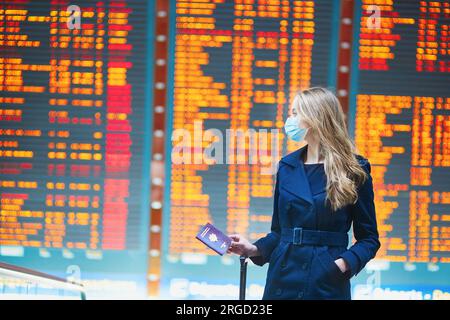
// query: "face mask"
[[293, 131]]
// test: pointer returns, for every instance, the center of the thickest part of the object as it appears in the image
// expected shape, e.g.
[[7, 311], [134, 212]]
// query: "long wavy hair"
[[322, 112]]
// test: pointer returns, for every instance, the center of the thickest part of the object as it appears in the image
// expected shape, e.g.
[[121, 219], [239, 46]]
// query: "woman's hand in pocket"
[[342, 264]]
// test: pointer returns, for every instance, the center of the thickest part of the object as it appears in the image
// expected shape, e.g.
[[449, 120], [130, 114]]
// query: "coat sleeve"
[[364, 228], [268, 243]]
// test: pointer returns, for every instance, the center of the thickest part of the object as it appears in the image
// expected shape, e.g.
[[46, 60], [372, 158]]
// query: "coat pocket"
[[332, 270]]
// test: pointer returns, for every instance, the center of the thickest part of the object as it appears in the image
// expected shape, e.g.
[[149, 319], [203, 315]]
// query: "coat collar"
[[295, 158], [296, 182]]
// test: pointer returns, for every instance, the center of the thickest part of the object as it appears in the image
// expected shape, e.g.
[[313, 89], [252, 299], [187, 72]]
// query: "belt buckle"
[[298, 236]]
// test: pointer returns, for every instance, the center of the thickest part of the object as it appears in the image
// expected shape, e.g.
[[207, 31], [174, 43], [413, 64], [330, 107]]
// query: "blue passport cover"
[[214, 238]]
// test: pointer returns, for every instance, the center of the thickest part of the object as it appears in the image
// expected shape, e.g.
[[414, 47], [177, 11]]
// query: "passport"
[[214, 238]]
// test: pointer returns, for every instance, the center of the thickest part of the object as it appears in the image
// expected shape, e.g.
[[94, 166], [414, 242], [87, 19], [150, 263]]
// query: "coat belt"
[[300, 236]]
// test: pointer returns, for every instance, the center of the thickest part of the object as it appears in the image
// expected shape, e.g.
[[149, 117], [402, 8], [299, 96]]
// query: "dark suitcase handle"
[[243, 278]]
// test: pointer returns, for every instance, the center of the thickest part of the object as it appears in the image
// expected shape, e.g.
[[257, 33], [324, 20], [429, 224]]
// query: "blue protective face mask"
[[293, 131]]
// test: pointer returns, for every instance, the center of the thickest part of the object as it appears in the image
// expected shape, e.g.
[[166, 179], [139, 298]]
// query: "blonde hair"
[[323, 113]]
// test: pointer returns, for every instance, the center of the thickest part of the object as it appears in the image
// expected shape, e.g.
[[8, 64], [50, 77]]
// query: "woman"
[[320, 190]]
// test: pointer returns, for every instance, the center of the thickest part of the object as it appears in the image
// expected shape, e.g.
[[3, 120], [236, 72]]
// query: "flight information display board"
[[74, 126], [401, 121], [75, 134]]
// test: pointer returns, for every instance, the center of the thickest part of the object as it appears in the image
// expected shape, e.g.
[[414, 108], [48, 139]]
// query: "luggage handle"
[[243, 277]]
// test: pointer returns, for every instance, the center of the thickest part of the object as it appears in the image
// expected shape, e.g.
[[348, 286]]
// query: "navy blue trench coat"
[[298, 270]]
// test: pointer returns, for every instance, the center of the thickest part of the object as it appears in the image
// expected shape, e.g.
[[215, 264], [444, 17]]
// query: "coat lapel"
[[296, 181]]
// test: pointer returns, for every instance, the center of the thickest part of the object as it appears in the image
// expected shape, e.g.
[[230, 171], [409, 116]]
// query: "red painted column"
[[346, 26], [159, 137]]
